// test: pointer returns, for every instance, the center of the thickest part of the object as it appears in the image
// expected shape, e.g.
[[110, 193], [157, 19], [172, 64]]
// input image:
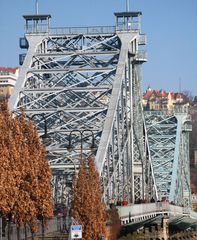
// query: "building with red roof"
[[161, 100], [8, 77]]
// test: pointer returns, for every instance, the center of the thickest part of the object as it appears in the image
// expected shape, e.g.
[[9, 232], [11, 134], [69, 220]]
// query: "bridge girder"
[[168, 136]]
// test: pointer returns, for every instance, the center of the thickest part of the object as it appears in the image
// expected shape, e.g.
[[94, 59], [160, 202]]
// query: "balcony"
[[140, 56], [187, 127], [142, 39]]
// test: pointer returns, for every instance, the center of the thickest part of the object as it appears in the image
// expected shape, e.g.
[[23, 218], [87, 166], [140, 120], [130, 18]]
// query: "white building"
[[8, 77]]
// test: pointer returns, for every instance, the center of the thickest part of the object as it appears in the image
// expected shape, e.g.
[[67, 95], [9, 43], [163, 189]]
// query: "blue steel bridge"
[[82, 89]]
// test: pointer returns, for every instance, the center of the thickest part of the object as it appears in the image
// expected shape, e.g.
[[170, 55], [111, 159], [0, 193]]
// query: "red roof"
[[194, 115], [155, 93], [162, 94], [148, 94], [11, 70]]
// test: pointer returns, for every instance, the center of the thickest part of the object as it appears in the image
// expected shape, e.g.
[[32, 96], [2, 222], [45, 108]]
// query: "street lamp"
[[45, 137], [81, 139]]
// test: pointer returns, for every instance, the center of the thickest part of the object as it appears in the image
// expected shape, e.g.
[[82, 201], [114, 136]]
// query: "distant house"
[[193, 112], [8, 77], [162, 100], [195, 100]]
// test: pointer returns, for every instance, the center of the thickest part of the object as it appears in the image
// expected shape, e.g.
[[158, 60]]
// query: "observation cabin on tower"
[[128, 21], [37, 23], [131, 22], [34, 25]]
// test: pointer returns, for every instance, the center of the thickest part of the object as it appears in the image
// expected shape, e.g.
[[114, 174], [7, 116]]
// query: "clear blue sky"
[[170, 26]]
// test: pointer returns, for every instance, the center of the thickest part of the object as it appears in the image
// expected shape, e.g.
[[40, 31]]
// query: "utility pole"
[[180, 85]]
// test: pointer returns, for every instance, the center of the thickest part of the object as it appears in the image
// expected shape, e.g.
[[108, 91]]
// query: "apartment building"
[[8, 77], [162, 100]]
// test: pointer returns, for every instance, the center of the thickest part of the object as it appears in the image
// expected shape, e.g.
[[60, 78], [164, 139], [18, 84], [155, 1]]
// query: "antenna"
[[127, 5], [36, 7], [180, 85]]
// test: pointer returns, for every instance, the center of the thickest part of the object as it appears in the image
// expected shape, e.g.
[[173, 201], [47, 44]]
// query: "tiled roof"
[[7, 69], [148, 94], [162, 94]]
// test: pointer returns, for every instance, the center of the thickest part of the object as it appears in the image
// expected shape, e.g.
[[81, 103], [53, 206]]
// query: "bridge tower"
[[168, 136], [81, 88]]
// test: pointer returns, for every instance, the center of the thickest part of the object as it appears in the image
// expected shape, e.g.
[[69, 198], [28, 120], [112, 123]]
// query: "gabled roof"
[[153, 94], [148, 94]]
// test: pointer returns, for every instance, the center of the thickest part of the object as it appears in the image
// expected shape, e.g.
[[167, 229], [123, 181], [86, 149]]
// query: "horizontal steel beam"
[[52, 110], [61, 89], [65, 70], [64, 166], [83, 52]]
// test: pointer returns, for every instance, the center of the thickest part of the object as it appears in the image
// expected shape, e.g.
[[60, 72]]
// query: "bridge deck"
[[140, 212]]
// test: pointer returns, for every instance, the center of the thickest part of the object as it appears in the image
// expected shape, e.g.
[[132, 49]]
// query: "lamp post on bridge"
[[45, 137], [81, 132]]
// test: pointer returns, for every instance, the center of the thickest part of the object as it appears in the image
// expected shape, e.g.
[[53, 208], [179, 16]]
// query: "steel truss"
[[82, 86], [169, 147]]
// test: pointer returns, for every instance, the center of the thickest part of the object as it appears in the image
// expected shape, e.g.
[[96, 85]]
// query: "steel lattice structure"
[[169, 145], [81, 88]]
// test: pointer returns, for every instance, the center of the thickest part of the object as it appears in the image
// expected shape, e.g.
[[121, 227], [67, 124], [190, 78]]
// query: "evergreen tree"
[[87, 207]]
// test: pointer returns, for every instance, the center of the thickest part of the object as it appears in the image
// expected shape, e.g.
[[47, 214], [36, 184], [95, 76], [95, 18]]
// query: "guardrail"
[[141, 55], [142, 39], [82, 30], [36, 29], [140, 212], [181, 110], [42, 29], [187, 127], [134, 26]]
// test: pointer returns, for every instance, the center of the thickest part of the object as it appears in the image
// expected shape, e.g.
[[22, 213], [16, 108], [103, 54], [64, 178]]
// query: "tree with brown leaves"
[[114, 223], [25, 176], [87, 206]]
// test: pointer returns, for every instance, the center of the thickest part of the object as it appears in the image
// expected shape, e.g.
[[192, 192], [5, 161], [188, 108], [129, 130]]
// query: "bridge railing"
[[138, 212], [82, 30], [134, 26], [36, 29]]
